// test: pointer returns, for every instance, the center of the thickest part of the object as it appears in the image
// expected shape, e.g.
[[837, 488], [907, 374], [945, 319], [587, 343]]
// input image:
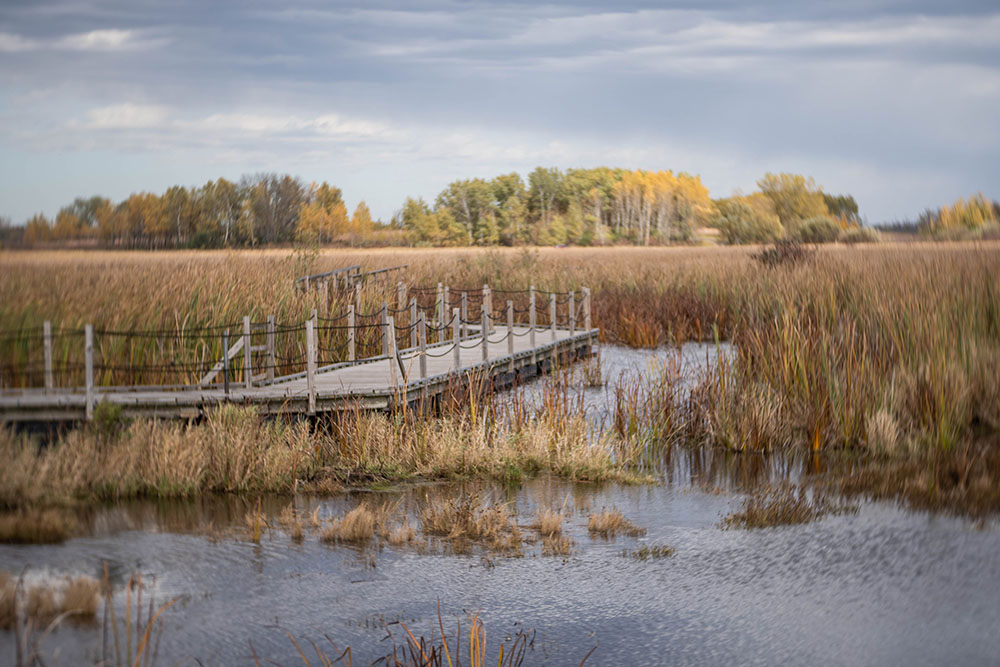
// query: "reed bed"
[[236, 451], [887, 350]]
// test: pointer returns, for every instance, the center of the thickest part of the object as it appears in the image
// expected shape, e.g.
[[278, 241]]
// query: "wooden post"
[[394, 365], [357, 298], [225, 361], [386, 334], [401, 297], [47, 342], [488, 302], [510, 327], [532, 321], [456, 334], [587, 322], [572, 313], [271, 351], [510, 334], [552, 314], [247, 357], [446, 308], [413, 321], [465, 313], [485, 319], [88, 368], [325, 296], [439, 305], [311, 365], [350, 332], [422, 338]]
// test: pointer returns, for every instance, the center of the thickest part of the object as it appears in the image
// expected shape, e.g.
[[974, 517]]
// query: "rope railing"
[[250, 353]]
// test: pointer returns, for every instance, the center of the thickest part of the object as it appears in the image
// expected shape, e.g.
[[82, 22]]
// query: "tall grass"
[[890, 350], [235, 451]]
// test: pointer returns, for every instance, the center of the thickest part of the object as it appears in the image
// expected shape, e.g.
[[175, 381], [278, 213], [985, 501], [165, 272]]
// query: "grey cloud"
[[450, 87]]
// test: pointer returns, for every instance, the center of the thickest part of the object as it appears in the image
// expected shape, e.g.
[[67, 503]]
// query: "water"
[[881, 586], [623, 367]]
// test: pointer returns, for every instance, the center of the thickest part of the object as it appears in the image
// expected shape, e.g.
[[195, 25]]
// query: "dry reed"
[[610, 523], [357, 525]]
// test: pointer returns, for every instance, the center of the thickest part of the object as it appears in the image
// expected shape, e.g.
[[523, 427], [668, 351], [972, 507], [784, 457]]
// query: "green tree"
[[842, 207], [744, 220], [471, 204]]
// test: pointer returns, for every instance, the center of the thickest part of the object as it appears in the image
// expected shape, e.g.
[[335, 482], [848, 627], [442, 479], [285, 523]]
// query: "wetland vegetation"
[[871, 369]]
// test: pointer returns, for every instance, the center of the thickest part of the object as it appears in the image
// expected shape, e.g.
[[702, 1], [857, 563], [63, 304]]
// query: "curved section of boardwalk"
[[375, 384]]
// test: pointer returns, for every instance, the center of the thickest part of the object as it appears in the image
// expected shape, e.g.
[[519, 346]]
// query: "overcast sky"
[[894, 102]]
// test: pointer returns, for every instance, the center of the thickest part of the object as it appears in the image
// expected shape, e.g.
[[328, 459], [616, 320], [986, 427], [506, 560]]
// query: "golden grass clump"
[[610, 523], [402, 533], [549, 522], [292, 522], [357, 525], [40, 605], [556, 545], [464, 520], [80, 597], [29, 526]]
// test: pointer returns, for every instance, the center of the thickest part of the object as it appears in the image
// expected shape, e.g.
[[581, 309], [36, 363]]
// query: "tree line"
[[262, 209], [550, 207]]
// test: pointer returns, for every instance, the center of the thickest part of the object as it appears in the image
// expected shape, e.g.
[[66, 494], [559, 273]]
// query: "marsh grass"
[[887, 350], [235, 451], [402, 533], [549, 522], [466, 520], [42, 602], [290, 520], [646, 552], [611, 523], [357, 525], [409, 650]]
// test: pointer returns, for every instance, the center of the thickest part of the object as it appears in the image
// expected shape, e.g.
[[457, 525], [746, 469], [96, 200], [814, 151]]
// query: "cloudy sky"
[[894, 102]]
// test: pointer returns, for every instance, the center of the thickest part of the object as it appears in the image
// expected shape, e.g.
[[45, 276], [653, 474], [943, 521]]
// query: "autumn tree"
[[361, 221], [795, 198], [323, 215], [37, 230]]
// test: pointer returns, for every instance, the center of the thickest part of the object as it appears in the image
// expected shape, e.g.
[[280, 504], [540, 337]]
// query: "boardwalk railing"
[[424, 323]]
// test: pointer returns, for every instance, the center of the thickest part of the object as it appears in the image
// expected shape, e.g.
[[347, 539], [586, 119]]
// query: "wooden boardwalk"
[[245, 375], [381, 383]]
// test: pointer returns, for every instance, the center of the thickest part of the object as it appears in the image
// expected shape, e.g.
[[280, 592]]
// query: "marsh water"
[[881, 585]]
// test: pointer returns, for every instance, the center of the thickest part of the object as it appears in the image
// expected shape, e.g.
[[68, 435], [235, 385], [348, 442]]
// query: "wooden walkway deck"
[[381, 383]]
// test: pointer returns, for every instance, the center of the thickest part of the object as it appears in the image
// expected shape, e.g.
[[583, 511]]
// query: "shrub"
[[853, 235], [818, 230]]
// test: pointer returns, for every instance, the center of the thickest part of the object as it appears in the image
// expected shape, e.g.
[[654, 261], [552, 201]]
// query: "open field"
[[889, 350]]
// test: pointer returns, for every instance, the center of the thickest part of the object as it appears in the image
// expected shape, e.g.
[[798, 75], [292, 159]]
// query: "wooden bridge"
[[437, 348]]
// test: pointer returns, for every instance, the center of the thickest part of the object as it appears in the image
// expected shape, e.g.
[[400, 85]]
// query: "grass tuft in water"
[[357, 525], [649, 552], [610, 523]]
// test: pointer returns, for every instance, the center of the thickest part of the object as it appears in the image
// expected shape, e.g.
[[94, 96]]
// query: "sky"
[[893, 102]]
